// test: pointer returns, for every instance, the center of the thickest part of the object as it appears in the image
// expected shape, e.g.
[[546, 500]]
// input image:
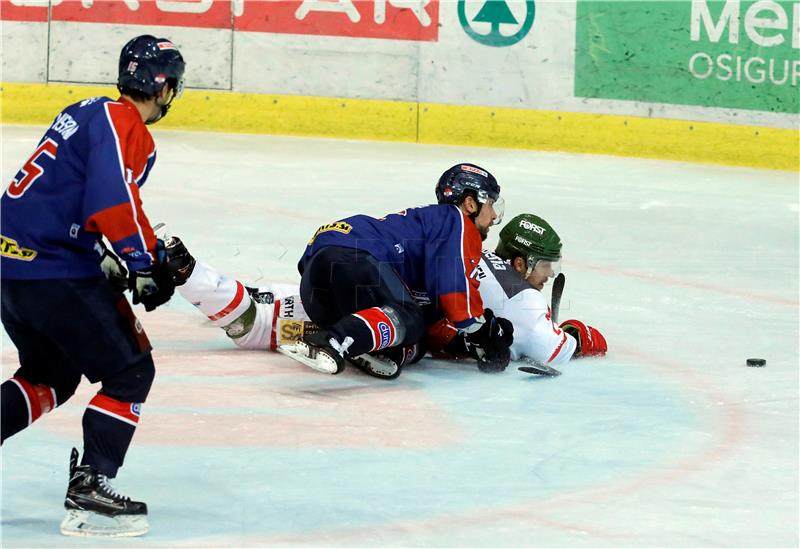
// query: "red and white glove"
[[590, 341]]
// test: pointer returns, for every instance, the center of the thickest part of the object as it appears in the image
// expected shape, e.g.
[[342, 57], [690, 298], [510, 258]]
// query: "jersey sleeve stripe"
[[125, 178], [237, 299], [558, 349]]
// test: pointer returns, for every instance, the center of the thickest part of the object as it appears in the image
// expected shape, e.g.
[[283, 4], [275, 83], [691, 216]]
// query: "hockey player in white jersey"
[[512, 278], [262, 318], [527, 256]]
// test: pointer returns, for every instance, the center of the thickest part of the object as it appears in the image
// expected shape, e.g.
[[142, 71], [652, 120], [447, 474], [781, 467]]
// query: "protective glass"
[[544, 267], [499, 207]]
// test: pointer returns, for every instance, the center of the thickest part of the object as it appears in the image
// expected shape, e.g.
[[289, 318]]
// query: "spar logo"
[[496, 23], [390, 19], [386, 334], [762, 31]]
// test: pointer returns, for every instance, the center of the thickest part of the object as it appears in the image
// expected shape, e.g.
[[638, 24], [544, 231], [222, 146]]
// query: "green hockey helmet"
[[531, 237]]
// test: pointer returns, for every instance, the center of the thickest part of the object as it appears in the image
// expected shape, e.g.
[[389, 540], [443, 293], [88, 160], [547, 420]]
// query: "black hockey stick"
[[555, 296]]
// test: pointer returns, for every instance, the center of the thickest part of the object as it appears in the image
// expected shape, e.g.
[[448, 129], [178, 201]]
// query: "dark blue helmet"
[[147, 63], [455, 183], [466, 177]]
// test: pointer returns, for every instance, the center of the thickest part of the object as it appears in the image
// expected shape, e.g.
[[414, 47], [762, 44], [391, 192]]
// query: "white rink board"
[[536, 73]]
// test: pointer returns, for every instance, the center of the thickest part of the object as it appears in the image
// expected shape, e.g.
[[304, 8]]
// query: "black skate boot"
[[94, 508], [320, 351], [180, 262]]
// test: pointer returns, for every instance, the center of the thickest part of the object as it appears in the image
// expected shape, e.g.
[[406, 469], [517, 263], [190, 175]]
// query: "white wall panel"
[[24, 51], [89, 52], [325, 66]]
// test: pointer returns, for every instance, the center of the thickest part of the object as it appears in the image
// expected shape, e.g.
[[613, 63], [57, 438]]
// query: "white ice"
[[670, 440]]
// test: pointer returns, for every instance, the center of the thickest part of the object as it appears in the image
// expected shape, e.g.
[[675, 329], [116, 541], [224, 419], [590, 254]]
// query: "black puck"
[[756, 362]]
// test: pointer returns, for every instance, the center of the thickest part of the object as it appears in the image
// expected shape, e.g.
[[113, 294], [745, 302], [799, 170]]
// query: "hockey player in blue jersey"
[[65, 318], [363, 280]]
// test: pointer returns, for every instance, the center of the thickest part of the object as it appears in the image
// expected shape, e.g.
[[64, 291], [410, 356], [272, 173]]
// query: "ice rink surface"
[[670, 440]]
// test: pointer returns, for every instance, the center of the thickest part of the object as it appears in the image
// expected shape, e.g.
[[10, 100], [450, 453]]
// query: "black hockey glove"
[[154, 285], [115, 271], [492, 342]]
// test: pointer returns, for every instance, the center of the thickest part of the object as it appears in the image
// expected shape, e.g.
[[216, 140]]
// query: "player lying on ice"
[[527, 256], [362, 286], [512, 277]]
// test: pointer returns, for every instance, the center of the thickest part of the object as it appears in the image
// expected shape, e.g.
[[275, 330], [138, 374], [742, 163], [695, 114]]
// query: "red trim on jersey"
[[273, 340], [39, 398], [127, 412], [135, 147], [558, 349], [235, 302], [115, 222], [383, 330], [461, 306]]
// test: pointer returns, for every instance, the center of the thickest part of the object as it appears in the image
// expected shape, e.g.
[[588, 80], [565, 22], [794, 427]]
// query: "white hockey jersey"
[[509, 296], [280, 318]]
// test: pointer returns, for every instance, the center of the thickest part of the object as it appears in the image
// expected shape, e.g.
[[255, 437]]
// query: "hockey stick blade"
[[539, 370], [555, 296]]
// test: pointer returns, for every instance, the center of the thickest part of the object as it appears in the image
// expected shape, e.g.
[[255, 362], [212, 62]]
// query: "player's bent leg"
[[93, 507], [387, 363], [112, 415]]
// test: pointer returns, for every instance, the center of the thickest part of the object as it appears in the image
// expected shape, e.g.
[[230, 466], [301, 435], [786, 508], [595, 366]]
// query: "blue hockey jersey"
[[434, 249], [81, 182]]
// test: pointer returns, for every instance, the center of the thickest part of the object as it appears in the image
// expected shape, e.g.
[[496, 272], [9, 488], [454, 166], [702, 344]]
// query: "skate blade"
[[384, 369], [90, 524], [320, 362]]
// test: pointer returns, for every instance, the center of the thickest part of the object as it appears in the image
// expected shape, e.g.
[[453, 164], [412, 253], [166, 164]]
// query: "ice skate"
[[94, 508], [317, 351], [377, 365]]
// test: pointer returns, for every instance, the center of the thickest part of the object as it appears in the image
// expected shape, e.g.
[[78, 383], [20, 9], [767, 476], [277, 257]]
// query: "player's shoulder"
[[438, 217], [513, 285], [433, 210]]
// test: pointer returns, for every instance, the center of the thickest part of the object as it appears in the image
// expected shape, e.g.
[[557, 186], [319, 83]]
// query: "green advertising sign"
[[713, 53]]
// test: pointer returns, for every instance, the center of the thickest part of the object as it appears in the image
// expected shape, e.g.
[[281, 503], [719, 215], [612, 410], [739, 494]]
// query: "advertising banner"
[[392, 19], [711, 53]]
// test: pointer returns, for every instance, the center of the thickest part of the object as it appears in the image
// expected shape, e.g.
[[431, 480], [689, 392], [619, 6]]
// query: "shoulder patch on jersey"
[[340, 226]]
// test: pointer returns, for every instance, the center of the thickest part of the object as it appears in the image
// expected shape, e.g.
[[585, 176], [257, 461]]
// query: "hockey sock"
[[22, 404], [108, 427], [371, 329]]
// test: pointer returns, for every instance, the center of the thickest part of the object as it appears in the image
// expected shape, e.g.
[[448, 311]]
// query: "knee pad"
[[133, 383]]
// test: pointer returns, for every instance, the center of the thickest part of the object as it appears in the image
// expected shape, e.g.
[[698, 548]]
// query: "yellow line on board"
[[222, 111]]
